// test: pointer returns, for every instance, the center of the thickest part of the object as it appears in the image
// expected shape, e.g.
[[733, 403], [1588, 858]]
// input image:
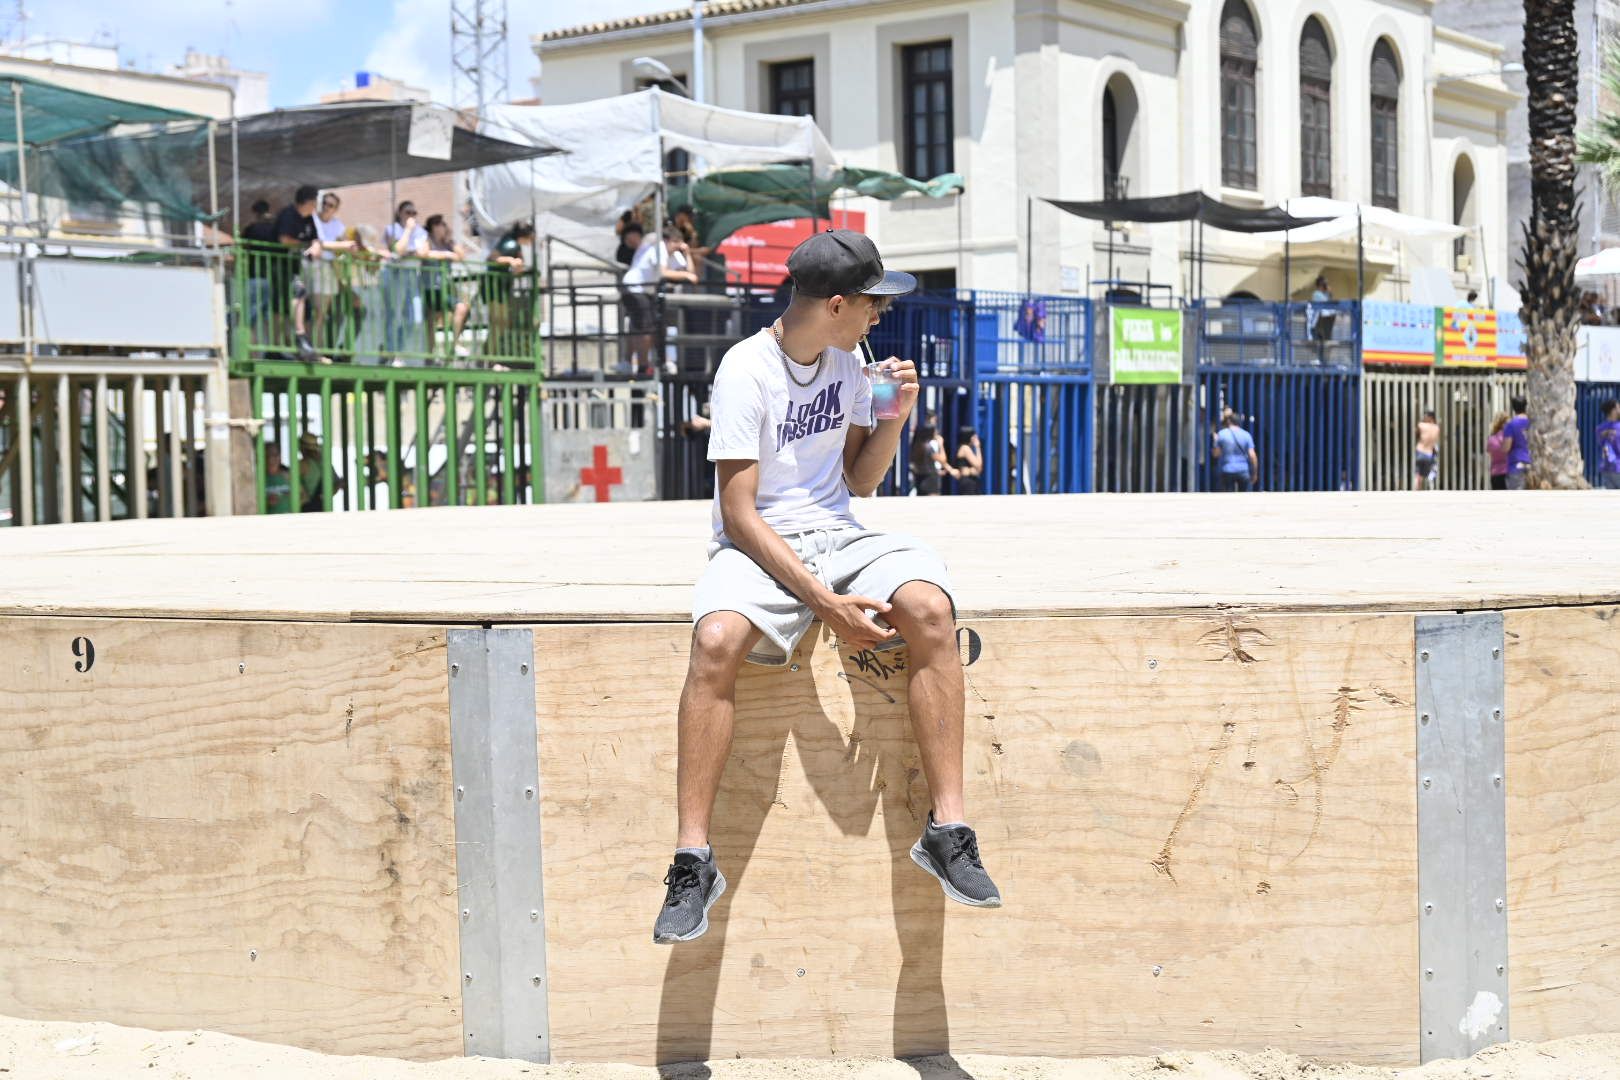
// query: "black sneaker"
[[306, 350], [952, 856], [694, 885]]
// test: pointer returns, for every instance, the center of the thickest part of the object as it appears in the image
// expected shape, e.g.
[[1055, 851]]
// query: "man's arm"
[[739, 511], [868, 455]]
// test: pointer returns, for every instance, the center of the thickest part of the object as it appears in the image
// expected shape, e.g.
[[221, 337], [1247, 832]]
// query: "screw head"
[[455, 669], [801, 973], [1496, 714], [1498, 780], [1428, 973], [1499, 904], [1428, 909], [1496, 652], [1153, 665], [523, 669], [1500, 969], [467, 975], [1427, 782], [534, 914], [253, 954], [528, 793], [535, 980], [241, 668], [460, 791], [1423, 718], [793, 667], [1424, 655], [466, 913], [1157, 970]]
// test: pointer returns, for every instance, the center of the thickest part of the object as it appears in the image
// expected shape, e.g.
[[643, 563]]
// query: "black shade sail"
[[1188, 206]]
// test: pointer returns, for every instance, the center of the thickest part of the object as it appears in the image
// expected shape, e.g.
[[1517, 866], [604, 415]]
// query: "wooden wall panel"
[[1204, 828], [230, 825], [1563, 815]]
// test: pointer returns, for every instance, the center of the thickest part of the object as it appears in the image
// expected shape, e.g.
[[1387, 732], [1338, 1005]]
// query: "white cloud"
[[414, 47]]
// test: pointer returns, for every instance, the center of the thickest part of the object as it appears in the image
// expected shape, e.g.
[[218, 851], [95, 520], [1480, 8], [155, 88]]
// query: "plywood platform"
[[1190, 754], [1050, 555]]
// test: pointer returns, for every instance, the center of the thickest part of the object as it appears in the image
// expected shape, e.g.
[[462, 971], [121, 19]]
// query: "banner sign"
[[1144, 345], [757, 255], [584, 465], [1397, 334], [1597, 354], [1416, 335]]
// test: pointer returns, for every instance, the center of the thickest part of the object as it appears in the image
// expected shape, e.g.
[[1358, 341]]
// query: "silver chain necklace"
[[788, 363]]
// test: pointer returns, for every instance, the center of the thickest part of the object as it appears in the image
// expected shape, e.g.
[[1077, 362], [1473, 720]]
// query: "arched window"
[[1464, 212], [1315, 110], [1386, 126], [1120, 155], [1240, 56]]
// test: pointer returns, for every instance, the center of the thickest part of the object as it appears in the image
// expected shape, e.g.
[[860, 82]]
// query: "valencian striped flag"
[[1466, 337]]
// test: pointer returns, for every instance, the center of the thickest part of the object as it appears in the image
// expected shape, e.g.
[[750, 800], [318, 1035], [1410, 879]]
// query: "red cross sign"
[[600, 476]]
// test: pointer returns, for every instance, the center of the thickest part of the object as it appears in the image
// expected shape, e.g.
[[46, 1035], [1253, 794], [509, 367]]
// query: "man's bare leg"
[[922, 614], [720, 644]]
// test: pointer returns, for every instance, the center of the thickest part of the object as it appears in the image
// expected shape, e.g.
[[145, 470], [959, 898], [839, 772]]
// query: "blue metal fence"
[[1589, 398], [1018, 333], [1306, 424], [1037, 433]]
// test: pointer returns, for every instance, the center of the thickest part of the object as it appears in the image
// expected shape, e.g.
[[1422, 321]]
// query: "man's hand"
[[910, 388], [846, 617]]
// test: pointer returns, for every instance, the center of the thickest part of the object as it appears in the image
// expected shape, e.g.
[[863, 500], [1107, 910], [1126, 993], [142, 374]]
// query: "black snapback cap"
[[841, 262]]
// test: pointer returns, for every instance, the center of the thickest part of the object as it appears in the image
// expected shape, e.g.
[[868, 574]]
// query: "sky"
[[311, 47]]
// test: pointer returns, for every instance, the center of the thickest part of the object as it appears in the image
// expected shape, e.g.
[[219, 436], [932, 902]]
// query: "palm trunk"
[[1551, 304]]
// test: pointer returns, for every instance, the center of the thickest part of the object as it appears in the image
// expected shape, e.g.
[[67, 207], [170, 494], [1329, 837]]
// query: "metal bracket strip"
[[1462, 834], [501, 898]]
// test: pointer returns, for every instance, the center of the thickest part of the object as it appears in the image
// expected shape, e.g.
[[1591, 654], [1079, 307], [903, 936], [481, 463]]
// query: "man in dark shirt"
[[508, 324], [295, 231], [259, 235]]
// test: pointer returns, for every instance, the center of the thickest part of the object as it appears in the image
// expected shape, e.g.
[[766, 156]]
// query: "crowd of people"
[[319, 285]]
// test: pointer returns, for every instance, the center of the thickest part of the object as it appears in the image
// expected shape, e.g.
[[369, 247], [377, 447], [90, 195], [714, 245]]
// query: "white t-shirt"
[[796, 433], [328, 231], [644, 269]]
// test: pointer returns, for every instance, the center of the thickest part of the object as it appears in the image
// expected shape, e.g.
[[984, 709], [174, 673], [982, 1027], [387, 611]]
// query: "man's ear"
[[835, 305]]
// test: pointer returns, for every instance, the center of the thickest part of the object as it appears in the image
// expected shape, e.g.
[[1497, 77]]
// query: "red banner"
[[759, 253]]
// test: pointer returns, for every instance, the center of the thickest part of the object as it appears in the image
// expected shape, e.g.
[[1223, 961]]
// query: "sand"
[[39, 1050]]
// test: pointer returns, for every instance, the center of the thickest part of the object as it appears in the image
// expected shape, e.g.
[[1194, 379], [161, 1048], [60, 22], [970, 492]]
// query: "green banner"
[[1144, 345]]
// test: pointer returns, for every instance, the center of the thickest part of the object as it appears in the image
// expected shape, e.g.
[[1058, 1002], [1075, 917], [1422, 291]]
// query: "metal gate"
[[1147, 438], [1305, 422], [1465, 404], [601, 441]]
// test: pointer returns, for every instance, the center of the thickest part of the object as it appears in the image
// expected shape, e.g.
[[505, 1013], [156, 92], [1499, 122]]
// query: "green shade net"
[[52, 113], [723, 202]]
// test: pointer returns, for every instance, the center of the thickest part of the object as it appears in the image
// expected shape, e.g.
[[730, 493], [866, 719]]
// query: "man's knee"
[[925, 610], [720, 643]]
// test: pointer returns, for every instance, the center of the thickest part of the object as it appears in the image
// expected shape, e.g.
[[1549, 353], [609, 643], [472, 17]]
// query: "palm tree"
[[1551, 304]]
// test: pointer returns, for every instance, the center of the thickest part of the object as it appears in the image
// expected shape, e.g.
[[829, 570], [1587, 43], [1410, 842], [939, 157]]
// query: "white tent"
[[1375, 222], [1596, 269], [614, 157]]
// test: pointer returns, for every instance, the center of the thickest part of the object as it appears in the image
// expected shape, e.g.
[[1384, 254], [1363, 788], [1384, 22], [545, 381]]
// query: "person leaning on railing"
[[402, 282], [495, 290], [295, 231], [441, 289], [259, 236]]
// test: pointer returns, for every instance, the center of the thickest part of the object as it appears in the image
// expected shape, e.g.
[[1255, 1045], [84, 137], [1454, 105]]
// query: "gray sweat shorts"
[[848, 561]]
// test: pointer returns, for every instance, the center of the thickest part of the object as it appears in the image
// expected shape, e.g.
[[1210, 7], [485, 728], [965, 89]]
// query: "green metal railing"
[[361, 438], [364, 308]]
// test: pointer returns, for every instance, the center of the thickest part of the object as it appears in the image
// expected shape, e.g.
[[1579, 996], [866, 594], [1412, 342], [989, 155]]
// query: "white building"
[[250, 90], [1255, 102]]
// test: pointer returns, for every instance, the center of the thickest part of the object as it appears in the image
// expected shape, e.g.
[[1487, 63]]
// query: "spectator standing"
[[325, 272], [969, 462], [1609, 446], [651, 267], [258, 254], [1426, 455], [277, 485], [1234, 447], [929, 465], [1496, 447], [309, 472], [407, 242], [441, 296], [1516, 438], [1321, 317], [295, 231], [495, 288]]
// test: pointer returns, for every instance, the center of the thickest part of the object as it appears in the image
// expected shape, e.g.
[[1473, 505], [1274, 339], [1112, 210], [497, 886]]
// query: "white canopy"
[[1376, 222], [615, 148], [1596, 268]]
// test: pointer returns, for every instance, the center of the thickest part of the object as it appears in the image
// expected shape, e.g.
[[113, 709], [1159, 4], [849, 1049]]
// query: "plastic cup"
[[885, 392]]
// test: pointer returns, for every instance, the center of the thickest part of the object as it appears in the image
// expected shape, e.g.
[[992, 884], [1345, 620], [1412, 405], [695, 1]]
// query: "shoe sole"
[[920, 857], [702, 927]]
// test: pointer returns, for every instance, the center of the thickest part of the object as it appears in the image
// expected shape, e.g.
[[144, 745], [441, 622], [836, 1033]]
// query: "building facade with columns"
[[1254, 101]]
